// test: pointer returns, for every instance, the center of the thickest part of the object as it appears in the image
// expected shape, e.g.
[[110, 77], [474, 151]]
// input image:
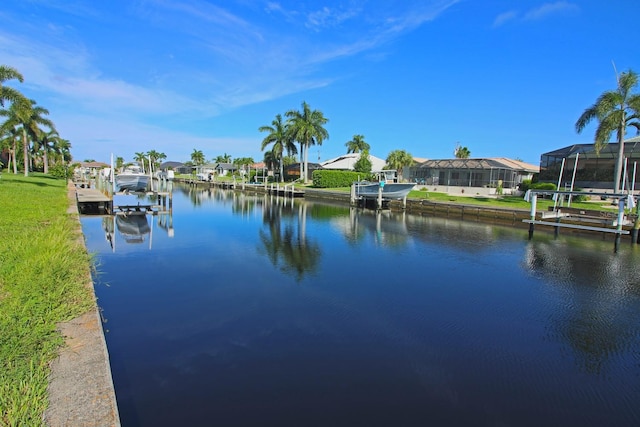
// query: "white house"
[[346, 162]]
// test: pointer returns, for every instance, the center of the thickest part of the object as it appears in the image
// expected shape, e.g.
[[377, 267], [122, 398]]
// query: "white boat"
[[132, 179], [390, 190], [387, 181]]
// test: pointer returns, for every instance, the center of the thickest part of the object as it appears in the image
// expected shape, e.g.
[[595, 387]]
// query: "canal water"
[[249, 310]]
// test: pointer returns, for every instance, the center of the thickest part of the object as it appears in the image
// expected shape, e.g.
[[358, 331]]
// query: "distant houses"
[[483, 176]]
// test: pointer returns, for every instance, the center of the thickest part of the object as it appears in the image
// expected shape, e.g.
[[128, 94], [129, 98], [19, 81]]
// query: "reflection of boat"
[[132, 179], [390, 190], [133, 227]]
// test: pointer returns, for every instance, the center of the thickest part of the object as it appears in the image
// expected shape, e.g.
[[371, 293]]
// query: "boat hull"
[[389, 191], [126, 182]]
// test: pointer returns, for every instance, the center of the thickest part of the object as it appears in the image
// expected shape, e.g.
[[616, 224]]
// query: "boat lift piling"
[[624, 200]]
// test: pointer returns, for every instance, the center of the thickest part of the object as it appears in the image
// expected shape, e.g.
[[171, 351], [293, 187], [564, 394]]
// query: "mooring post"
[[353, 193], [380, 194], [620, 213], [534, 201]]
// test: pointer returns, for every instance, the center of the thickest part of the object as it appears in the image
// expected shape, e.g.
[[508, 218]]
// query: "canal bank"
[[81, 391]]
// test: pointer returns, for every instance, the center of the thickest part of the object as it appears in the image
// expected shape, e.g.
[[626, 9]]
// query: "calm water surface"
[[243, 310]]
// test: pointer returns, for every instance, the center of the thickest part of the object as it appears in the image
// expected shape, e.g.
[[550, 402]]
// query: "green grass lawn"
[[44, 272]]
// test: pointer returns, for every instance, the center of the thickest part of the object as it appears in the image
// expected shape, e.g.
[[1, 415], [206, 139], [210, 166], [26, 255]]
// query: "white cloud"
[[504, 18], [550, 9]]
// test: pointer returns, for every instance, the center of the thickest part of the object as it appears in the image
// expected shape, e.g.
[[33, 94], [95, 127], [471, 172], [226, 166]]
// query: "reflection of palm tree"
[[288, 247], [596, 329]]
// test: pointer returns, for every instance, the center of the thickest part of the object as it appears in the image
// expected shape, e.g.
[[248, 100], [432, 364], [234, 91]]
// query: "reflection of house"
[[594, 170], [476, 176], [346, 162]]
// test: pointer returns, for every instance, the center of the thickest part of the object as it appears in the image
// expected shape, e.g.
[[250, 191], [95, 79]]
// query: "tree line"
[[28, 138]]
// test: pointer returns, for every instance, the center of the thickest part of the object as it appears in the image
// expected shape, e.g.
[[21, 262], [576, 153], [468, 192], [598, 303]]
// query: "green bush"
[[336, 178], [61, 171]]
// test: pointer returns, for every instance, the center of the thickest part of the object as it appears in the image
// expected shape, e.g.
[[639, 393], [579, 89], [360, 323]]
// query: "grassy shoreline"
[[44, 268]]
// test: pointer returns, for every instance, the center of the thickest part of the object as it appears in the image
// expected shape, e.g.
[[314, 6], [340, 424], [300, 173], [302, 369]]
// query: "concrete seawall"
[[81, 391]]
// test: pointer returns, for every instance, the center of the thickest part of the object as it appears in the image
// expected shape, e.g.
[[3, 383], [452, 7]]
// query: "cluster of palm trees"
[[305, 127], [28, 137]]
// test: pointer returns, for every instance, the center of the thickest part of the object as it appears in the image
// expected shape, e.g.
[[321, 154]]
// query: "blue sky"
[[503, 78]]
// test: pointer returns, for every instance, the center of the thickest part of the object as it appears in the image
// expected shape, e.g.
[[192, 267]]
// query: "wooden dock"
[[93, 201]]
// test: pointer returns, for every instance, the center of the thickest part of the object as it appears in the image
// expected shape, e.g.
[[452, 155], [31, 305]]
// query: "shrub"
[[61, 171], [336, 178]]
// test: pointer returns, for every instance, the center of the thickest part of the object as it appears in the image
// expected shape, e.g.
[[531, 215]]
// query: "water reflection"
[[596, 289], [273, 311], [386, 227], [284, 239]]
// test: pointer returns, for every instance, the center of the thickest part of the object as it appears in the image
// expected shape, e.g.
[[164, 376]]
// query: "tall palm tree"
[[226, 158], [357, 144], [615, 111], [46, 139], [280, 136], [307, 127], [9, 141], [62, 149], [8, 93], [398, 159], [197, 157], [156, 158], [28, 117]]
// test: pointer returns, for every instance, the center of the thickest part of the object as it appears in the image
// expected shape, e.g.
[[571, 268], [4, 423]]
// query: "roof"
[[609, 151], [347, 161], [93, 165], [486, 163], [167, 165]]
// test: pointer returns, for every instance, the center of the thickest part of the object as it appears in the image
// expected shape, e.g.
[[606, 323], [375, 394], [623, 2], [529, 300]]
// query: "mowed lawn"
[[44, 280]]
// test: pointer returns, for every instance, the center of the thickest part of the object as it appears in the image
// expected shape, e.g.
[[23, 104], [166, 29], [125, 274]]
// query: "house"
[[224, 169], [593, 170], [482, 176], [346, 162], [292, 171], [87, 169]]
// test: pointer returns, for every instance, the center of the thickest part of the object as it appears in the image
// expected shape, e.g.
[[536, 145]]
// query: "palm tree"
[[280, 136], [307, 127], [9, 141], [8, 93], [398, 159], [155, 158], [615, 111], [197, 157], [226, 158], [47, 138], [461, 152], [27, 116], [62, 149], [357, 144]]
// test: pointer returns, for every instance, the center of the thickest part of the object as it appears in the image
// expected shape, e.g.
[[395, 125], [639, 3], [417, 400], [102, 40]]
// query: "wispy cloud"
[[548, 9], [504, 18], [544, 11]]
